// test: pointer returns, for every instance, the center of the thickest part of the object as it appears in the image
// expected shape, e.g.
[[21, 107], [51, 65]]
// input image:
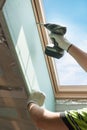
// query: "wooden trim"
[[39, 16], [59, 91], [70, 92], [73, 88], [71, 95]]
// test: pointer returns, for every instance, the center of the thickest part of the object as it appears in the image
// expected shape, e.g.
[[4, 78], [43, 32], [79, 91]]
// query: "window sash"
[[70, 91]]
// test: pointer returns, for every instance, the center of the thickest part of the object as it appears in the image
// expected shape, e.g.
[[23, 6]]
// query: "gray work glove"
[[62, 42], [36, 97]]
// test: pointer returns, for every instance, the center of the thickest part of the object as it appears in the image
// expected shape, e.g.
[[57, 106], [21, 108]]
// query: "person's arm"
[[79, 55], [41, 117], [44, 119]]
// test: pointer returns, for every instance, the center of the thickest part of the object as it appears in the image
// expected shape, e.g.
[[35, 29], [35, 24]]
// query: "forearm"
[[36, 113], [79, 55], [45, 119]]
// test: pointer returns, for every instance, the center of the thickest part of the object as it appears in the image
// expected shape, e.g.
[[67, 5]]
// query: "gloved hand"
[[62, 42], [36, 97]]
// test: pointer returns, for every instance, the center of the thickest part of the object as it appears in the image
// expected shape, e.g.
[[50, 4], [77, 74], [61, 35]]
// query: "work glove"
[[62, 42], [36, 97]]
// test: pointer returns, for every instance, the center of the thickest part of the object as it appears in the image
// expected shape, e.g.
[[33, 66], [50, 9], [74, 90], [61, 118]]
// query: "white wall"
[[67, 104]]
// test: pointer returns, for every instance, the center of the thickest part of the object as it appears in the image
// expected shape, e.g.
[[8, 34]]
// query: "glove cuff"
[[36, 97], [31, 101], [69, 47]]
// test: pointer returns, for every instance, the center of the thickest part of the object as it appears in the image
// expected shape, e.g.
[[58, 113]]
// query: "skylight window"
[[71, 14], [68, 79]]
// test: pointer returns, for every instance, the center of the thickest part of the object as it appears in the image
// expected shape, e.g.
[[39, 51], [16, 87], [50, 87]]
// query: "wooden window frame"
[[60, 92]]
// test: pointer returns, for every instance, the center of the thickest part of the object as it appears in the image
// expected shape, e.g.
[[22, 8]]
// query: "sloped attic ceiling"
[[13, 112]]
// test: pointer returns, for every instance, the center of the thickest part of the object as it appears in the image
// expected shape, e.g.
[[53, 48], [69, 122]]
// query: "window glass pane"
[[72, 14]]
